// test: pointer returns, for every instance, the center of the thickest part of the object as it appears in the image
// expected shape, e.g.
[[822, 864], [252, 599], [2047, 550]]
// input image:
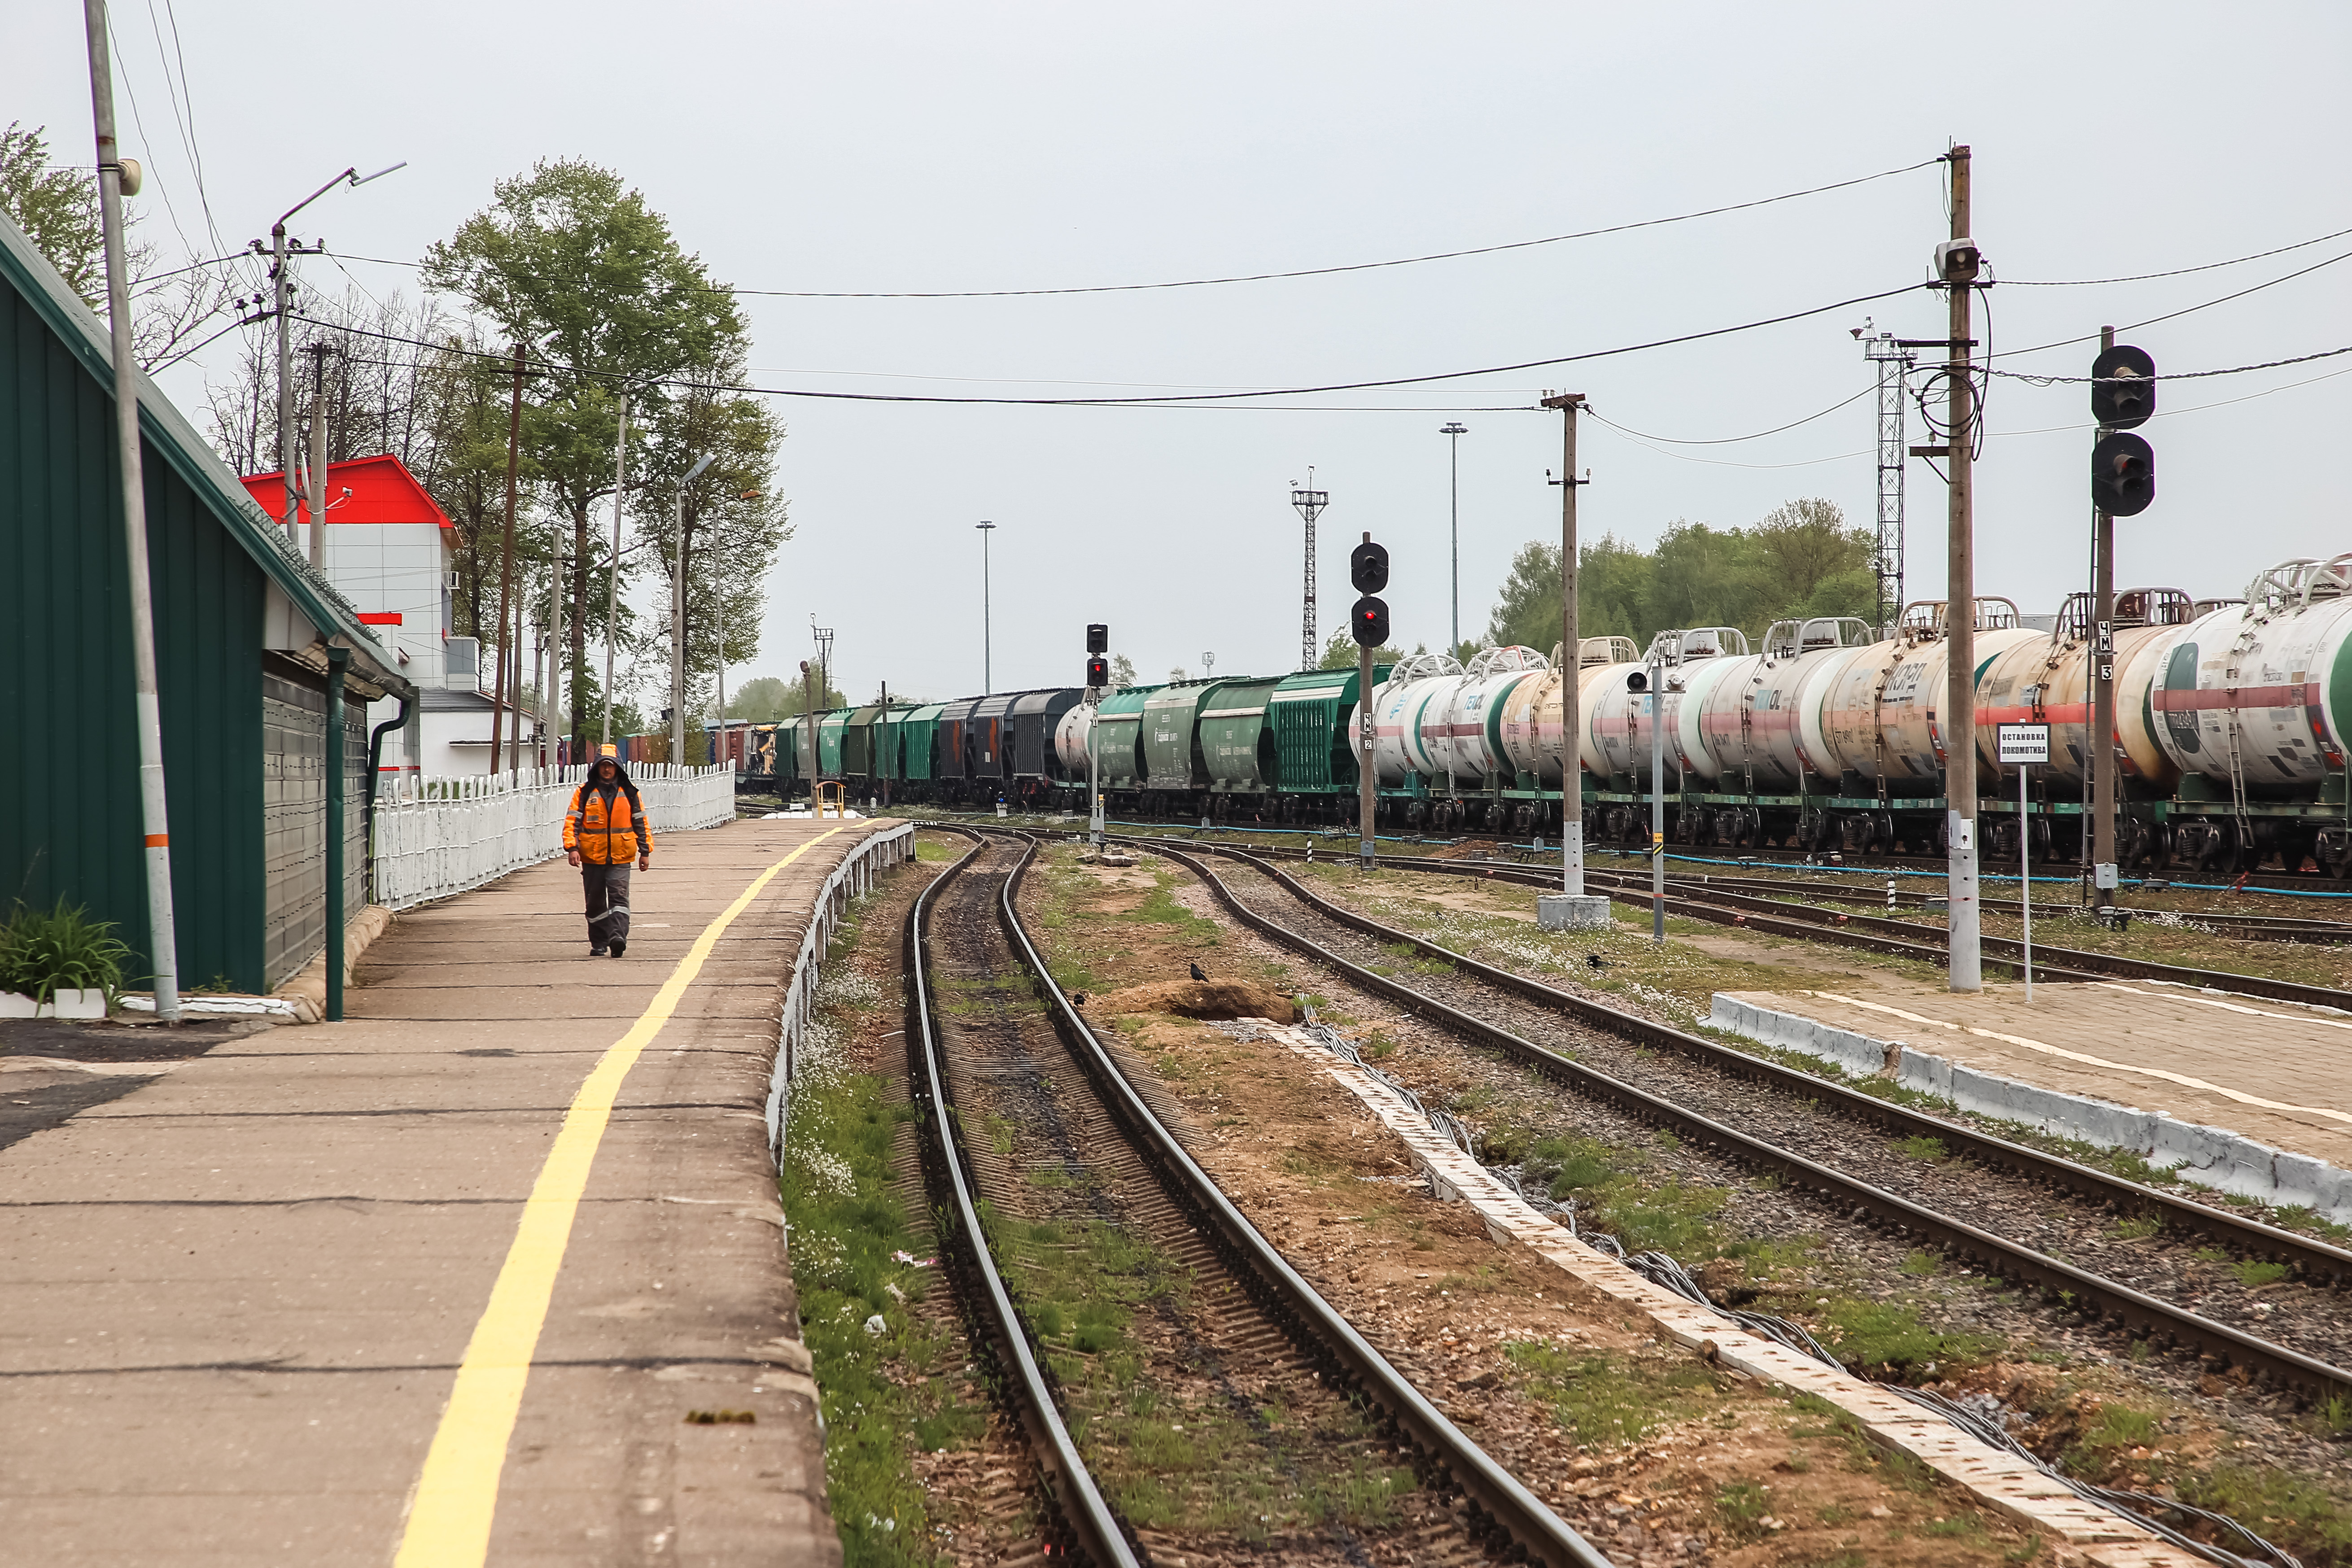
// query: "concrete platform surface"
[[2274, 1072], [443, 1283]]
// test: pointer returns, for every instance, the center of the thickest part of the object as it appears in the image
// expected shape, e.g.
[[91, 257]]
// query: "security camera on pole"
[[1367, 569], [1097, 681]]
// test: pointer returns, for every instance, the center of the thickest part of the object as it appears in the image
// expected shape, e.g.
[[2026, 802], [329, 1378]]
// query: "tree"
[[733, 525], [767, 700], [1122, 672], [57, 206], [1340, 652], [568, 261]]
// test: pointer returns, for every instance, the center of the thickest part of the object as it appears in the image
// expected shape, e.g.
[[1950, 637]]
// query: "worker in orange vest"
[[603, 831]]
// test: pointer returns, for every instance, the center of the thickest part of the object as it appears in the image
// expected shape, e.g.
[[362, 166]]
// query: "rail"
[[435, 837], [1515, 1511], [2134, 1310]]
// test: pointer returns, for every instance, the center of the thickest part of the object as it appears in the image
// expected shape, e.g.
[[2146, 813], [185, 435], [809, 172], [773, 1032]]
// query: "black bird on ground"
[[1199, 973], [1594, 960]]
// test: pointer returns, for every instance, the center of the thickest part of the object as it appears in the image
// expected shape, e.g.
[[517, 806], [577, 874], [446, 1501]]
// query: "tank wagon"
[[2230, 734]]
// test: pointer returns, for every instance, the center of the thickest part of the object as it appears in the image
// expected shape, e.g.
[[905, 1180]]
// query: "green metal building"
[[242, 628]]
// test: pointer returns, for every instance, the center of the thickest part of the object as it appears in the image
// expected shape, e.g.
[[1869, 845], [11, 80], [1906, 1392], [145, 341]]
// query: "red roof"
[[383, 491]]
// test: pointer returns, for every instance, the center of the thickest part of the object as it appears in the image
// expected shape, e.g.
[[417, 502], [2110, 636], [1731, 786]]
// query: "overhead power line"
[[2033, 380], [2176, 272], [2176, 315]]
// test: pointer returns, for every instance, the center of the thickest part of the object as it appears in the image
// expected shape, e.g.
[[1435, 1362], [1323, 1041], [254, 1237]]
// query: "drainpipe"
[[338, 660], [375, 754]]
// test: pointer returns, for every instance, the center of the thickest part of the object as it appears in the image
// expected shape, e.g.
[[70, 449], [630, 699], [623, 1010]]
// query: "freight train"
[[2233, 719]]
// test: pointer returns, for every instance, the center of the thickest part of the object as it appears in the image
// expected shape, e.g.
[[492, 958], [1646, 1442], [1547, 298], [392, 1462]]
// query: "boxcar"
[[918, 747], [1035, 716], [1310, 714], [955, 750], [988, 743]]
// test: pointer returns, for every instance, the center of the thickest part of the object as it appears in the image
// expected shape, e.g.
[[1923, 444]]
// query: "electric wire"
[[1734, 440], [545, 365], [2032, 380], [2190, 310], [2175, 272]]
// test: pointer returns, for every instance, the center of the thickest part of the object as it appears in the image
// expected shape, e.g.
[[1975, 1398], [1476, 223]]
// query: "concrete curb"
[[852, 876], [308, 989], [2190, 1151], [2088, 1534]]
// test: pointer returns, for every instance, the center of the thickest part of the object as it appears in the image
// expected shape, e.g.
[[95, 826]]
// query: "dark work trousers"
[[608, 902]]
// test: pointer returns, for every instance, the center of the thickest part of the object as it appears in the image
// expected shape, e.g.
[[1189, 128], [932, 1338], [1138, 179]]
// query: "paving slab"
[[238, 1300], [2274, 1071]]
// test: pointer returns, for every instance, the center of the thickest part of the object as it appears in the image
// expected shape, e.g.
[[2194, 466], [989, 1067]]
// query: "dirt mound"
[[1197, 999]]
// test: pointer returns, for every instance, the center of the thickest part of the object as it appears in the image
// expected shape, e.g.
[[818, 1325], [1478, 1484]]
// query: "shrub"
[[43, 951]]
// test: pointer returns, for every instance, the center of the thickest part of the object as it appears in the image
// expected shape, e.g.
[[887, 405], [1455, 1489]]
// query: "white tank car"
[[1756, 723], [1459, 728], [2263, 690], [1621, 733], [1070, 740], [2049, 681], [1685, 745], [1881, 708], [1397, 715], [1530, 723]]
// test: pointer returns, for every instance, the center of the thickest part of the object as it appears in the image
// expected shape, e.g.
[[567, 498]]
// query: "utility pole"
[[1960, 263], [1572, 909], [677, 619], [2103, 689], [514, 723], [883, 721], [613, 582], [1310, 503], [1454, 430], [1655, 701], [117, 177], [987, 675], [506, 553], [318, 486], [550, 709]]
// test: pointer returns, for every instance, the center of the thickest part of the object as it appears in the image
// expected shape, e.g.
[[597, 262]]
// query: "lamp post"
[[987, 676], [1453, 431], [677, 619]]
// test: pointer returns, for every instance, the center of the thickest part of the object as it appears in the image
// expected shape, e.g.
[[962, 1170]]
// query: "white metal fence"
[[435, 837]]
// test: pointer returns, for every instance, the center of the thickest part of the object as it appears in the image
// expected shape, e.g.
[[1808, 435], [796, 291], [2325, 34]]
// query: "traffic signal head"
[[2123, 474], [1369, 618], [1097, 637], [1367, 567], [2123, 387], [1637, 681], [1097, 670]]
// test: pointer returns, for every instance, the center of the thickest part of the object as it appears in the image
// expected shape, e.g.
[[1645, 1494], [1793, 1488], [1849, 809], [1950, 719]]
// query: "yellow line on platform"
[[458, 1491]]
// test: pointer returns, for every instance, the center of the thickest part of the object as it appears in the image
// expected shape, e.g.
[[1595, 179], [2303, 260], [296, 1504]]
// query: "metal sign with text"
[[2021, 743]]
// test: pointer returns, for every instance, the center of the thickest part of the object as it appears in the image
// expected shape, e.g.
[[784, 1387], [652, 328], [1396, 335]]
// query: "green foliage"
[[1800, 561], [1886, 1338], [2253, 1273], [1922, 1147], [1605, 1400], [56, 204], [1341, 652], [43, 951], [768, 698]]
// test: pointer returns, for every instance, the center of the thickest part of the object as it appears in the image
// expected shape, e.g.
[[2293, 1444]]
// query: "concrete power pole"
[[318, 485], [1572, 909], [1959, 264], [506, 552], [2102, 692], [613, 582], [116, 178]]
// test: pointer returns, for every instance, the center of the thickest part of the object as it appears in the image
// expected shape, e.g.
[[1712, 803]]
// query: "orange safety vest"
[[606, 841]]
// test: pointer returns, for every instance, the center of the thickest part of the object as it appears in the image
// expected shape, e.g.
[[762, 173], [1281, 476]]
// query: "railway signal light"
[[1367, 569], [2123, 474], [1097, 670], [1637, 681], [2123, 387], [1097, 637], [1369, 618]]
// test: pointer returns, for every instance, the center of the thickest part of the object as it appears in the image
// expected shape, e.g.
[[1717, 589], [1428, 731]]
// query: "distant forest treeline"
[[1801, 560]]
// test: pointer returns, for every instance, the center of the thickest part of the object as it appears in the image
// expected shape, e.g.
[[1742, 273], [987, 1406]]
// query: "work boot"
[[594, 950], [619, 947]]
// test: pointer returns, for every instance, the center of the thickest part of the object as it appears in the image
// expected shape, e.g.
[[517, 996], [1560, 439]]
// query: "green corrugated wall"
[[69, 816]]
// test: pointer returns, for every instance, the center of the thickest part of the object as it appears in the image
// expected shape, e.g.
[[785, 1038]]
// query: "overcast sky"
[[935, 147]]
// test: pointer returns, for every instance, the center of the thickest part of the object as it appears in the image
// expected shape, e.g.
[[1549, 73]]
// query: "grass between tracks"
[[878, 1390]]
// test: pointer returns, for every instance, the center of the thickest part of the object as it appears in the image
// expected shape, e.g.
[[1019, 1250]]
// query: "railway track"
[[1726, 902], [1728, 1077], [1041, 1146]]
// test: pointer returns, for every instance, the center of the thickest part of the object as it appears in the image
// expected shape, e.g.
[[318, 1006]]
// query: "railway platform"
[[2248, 1094], [493, 1271]]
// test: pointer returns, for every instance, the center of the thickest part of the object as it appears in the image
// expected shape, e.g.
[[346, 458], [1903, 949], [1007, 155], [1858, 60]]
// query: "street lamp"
[[987, 678], [677, 618], [1454, 430], [282, 278]]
